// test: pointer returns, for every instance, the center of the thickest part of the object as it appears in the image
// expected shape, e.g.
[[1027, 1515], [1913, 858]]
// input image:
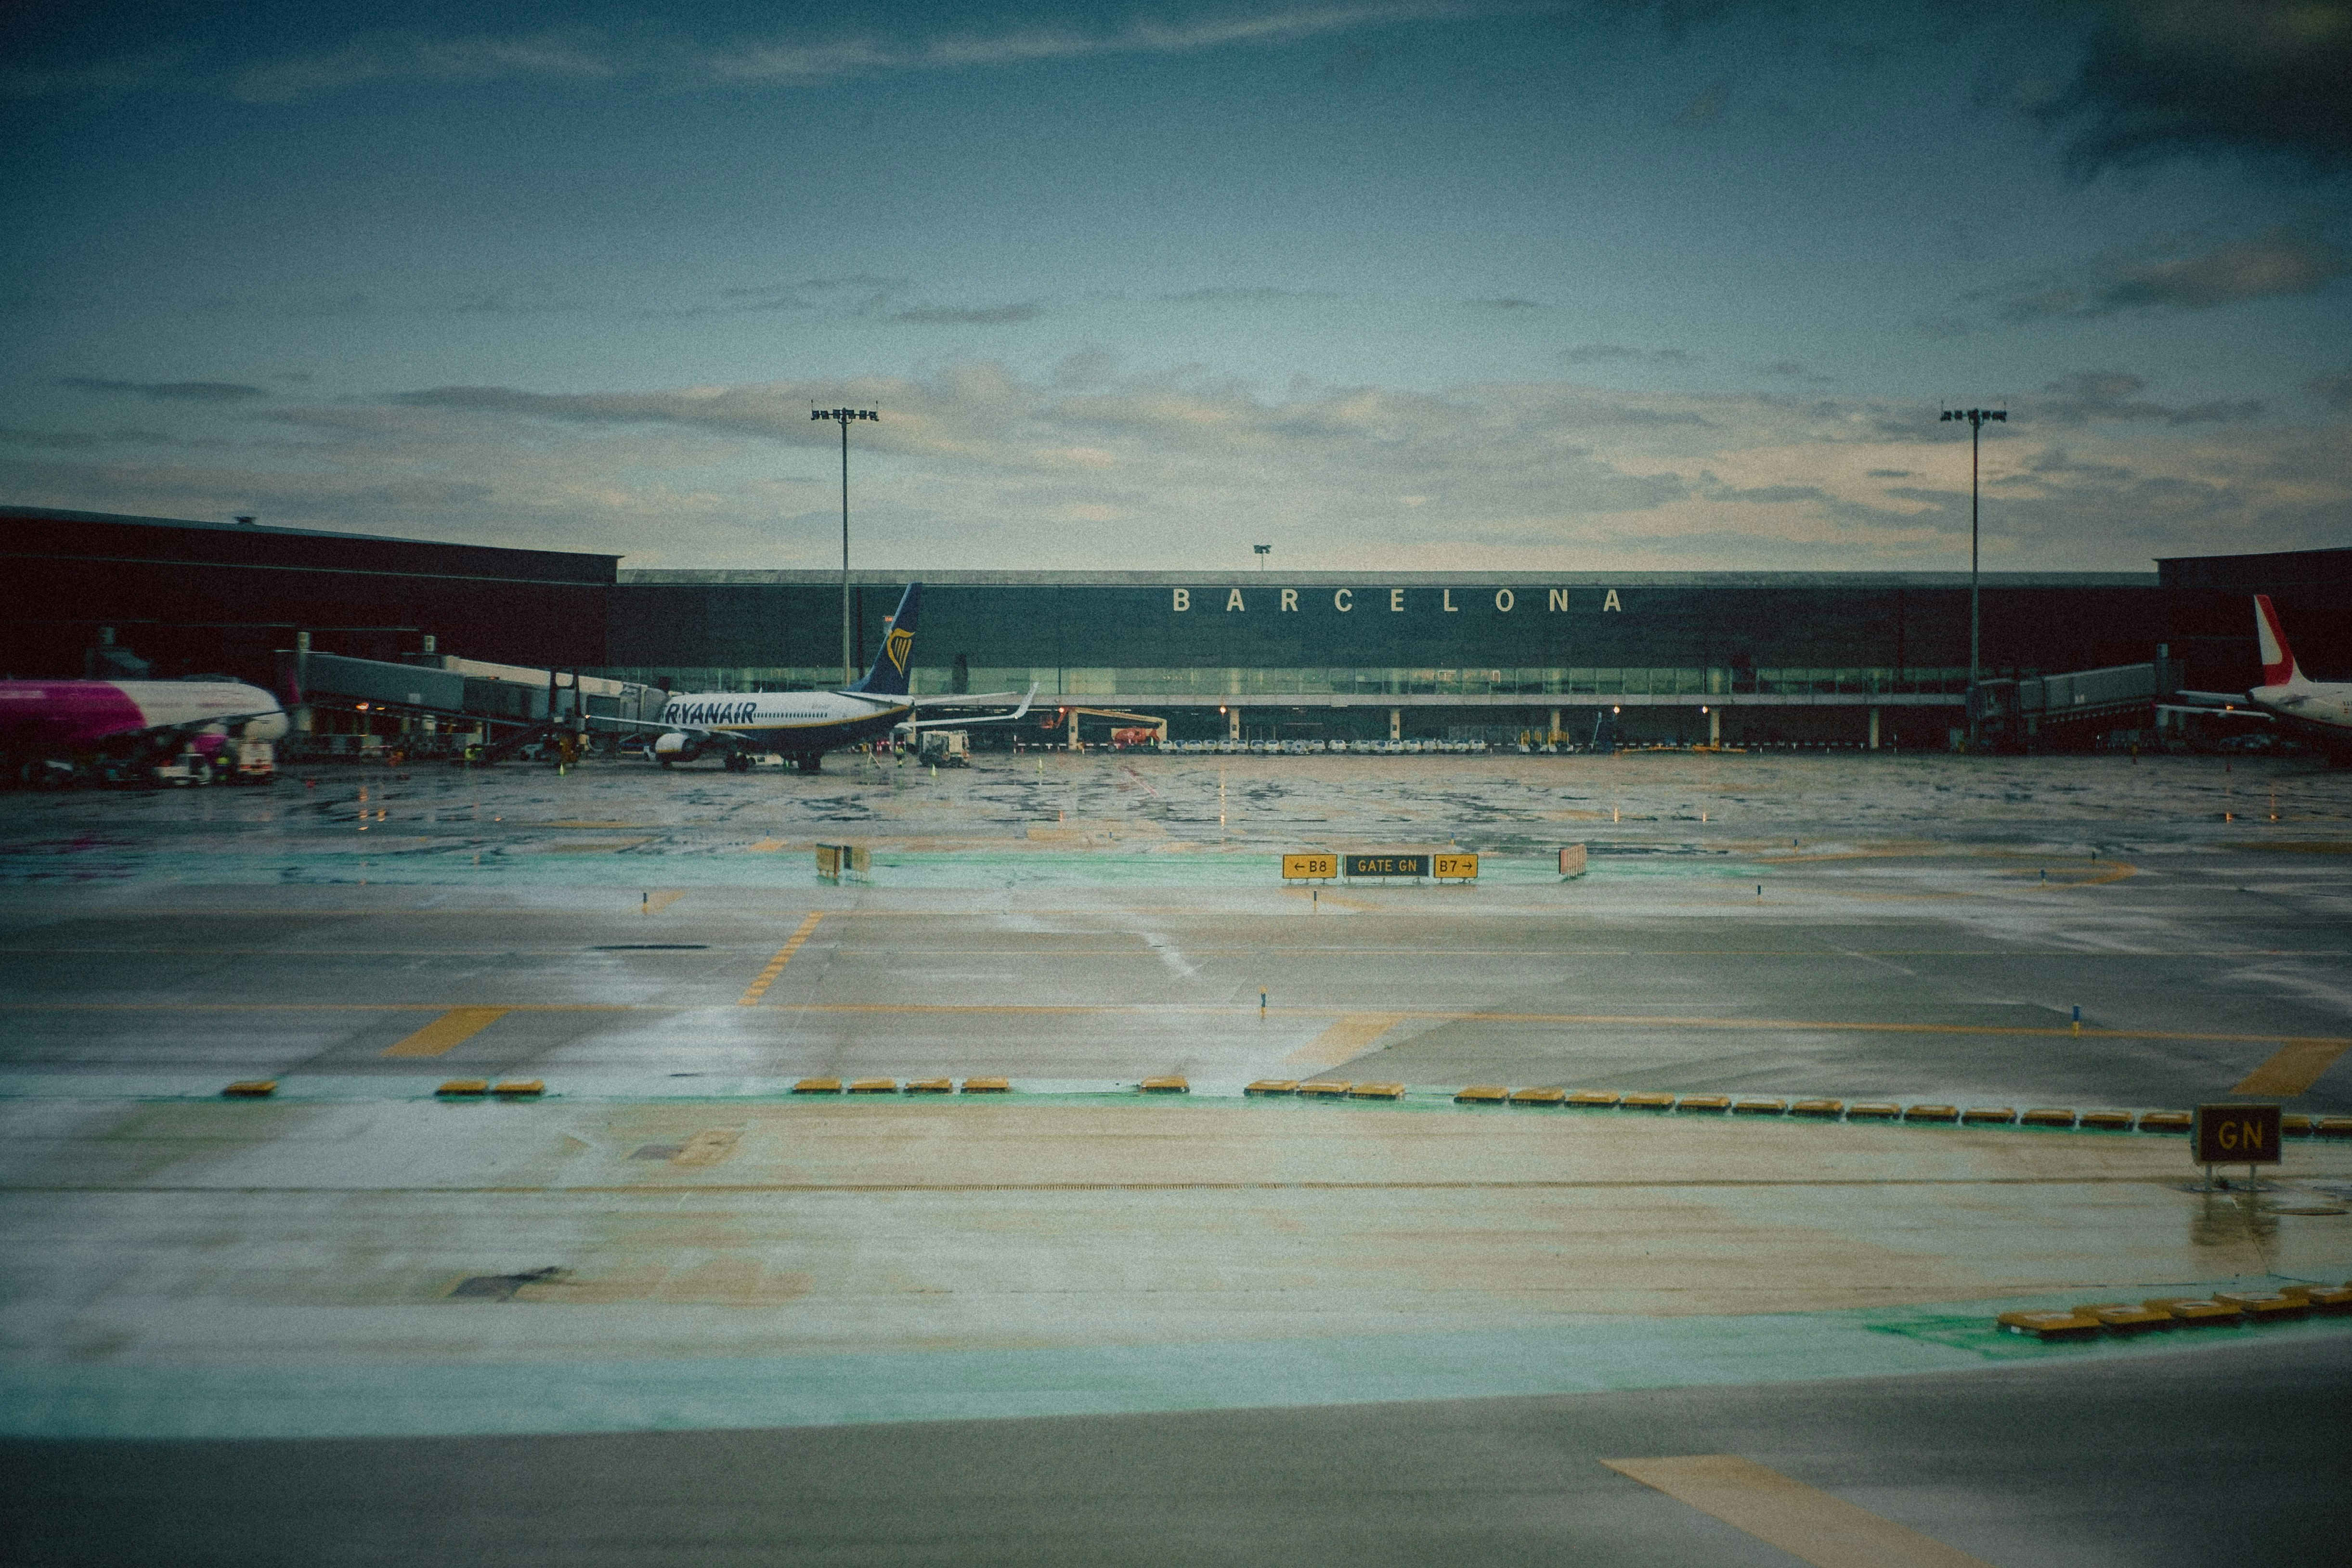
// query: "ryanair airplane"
[[804, 725]]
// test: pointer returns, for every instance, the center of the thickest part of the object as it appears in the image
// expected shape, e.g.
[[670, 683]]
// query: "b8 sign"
[[2237, 1135]]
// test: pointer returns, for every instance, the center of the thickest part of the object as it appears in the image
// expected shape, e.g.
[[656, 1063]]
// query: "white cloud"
[[796, 60], [976, 466]]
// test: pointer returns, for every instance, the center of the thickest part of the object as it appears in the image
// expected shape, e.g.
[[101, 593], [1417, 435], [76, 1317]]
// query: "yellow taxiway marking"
[[767, 846], [2294, 1069], [659, 899], [759, 988], [452, 1028], [1803, 1521], [1226, 1009], [1350, 1036]]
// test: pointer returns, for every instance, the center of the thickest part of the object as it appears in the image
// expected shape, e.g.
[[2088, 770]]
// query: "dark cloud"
[[967, 314], [1768, 495], [2333, 391], [83, 439], [167, 392], [2278, 264], [2114, 395], [1255, 296], [1506, 302], [1602, 354], [2162, 78]]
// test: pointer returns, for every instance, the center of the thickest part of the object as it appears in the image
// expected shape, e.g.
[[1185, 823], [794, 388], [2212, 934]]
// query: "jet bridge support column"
[[1873, 729]]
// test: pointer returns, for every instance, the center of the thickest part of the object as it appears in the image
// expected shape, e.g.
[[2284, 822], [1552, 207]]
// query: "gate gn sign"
[[2237, 1135], [1388, 865]]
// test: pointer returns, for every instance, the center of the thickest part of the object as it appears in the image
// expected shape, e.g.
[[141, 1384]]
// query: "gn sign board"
[[1444, 867], [2237, 1135]]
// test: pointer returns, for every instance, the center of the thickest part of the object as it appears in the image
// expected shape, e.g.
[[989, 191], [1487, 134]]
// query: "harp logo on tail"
[[894, 648]]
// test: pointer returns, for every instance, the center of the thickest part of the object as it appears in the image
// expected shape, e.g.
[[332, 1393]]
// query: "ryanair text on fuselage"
[[807, 724]]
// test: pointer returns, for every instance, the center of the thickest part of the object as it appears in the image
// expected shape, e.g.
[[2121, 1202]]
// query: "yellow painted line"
[[452, 1028], [759, 988], [2294, 1069], [1350, 1036], [767, 846], [1803, 1521], [661, 898]]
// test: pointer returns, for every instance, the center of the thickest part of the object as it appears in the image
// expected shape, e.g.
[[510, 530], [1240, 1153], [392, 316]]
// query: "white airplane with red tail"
[[2286, 692]]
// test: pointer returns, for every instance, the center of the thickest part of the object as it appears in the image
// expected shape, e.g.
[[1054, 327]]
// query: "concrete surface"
[[2230, 1457], [356, 1271]]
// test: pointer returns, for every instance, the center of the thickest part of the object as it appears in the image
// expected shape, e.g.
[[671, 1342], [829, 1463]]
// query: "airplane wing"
[[2239, 708], [216, 718], [1026, 698], [969, 699]]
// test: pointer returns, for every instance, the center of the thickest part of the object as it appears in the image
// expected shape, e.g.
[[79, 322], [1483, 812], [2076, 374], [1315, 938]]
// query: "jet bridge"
[[2017, 710], [441, 701]]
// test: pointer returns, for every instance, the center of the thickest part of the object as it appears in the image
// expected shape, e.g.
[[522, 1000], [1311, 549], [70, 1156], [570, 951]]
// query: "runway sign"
[[2236, 1135], [1455, 868], [1298, 868], [1388, 865]]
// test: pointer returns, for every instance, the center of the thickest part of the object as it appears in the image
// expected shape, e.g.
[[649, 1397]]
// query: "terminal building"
[[1857, 658]]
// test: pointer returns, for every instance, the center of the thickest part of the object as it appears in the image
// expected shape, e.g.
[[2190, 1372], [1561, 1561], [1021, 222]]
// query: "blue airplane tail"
[[894, 659]]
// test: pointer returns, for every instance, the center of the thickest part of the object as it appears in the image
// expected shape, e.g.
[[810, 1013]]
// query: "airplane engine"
[[677, 746]]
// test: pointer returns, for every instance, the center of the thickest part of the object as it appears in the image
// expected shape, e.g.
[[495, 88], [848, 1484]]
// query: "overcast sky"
[[1406, 285]]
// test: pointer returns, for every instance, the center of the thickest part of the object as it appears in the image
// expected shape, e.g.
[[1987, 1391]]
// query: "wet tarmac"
[[668, 1238]]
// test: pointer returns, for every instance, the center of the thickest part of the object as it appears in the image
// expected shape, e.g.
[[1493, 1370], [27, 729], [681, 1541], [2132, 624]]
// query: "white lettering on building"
[[1290, 599], [1396, 599], [1184, 599], [1451, 607], [1234, 602], [1560, 599], [1611, 602], [1344, 600], [1504, 600]]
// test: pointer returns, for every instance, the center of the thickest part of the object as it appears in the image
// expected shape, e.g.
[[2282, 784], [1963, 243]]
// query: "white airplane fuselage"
[[2327, 703], [800, 724]]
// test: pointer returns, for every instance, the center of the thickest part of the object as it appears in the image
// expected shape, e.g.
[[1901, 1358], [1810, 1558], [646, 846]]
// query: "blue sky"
[[1405, 285]]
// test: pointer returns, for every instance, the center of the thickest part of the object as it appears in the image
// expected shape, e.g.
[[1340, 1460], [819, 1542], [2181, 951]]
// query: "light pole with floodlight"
[[1977, 418], [848, 654]]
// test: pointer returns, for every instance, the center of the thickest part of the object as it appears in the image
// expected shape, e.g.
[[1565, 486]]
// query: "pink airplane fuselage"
[[84, 715]]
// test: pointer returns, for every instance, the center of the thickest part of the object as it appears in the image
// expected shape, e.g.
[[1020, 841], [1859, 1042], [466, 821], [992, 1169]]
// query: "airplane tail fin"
[[2279, 668], [287, 687], [893, 661]]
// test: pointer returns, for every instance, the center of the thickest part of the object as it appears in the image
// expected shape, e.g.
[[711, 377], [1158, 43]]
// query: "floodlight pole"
[[1263, 552], [1976, 418], [848, 653]]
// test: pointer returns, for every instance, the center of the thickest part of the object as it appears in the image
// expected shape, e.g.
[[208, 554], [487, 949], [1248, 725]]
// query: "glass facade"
[[1208, 639]]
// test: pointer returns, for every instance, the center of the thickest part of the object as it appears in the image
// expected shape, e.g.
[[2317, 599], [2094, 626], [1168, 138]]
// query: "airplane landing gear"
[[809, 762]]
